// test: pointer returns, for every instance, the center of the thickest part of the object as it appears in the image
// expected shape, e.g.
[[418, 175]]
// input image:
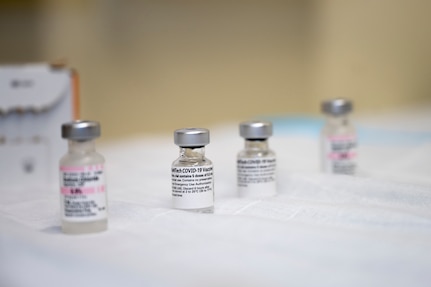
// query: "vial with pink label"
[[338, 138], [83, 197]]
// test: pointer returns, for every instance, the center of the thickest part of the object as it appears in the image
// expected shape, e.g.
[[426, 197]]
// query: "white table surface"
[[320, 230]]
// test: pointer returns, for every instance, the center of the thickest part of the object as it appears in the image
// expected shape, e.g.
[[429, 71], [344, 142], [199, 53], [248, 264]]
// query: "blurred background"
[[154, 66]]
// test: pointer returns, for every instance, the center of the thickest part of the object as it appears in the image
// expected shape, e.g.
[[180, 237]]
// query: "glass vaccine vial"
[[192, 172], [256, 163], [82, 180], [338, 138]]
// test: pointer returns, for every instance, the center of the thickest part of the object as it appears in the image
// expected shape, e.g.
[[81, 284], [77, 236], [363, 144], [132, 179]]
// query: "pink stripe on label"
[[71, 168], [342, 138], [94, 167], [347, 155], [82, 190], [82, 168]]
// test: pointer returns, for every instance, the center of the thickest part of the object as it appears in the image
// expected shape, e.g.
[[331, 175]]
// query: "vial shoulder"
[[71, 159], [181, 161], [331, 130], [245, 153]]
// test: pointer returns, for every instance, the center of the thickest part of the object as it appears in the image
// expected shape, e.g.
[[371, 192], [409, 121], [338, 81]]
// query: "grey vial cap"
[[337, 107], [192, 137], [80, 130], [255, 129]]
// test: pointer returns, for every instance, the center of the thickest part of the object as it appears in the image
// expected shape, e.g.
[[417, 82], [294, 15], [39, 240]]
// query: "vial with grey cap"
[[338, 138], [82, 180], [192, 172], [256, 163]]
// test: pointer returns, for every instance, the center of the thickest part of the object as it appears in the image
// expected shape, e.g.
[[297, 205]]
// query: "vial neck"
[[192, 153], [82, 146], [256, 144], [338, 120]]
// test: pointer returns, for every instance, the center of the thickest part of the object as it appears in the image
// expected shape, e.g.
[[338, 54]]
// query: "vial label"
[[256, 176], [192, 187], [83, 193], [340, 154]]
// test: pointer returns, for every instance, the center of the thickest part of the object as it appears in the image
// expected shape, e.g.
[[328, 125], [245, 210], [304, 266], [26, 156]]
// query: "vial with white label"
[[338, 138], [82, 180], [192, 172], [256, 163]]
